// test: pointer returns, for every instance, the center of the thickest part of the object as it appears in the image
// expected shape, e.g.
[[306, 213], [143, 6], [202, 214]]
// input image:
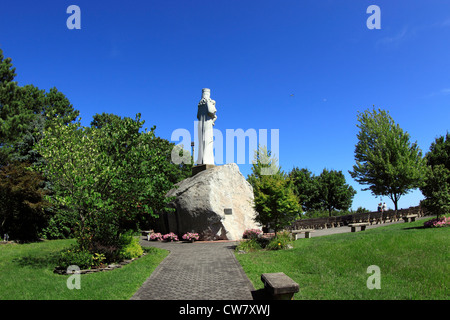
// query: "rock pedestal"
[[216, 203]]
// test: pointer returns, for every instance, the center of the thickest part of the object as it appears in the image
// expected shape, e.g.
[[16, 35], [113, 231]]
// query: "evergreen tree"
[[25, 112]]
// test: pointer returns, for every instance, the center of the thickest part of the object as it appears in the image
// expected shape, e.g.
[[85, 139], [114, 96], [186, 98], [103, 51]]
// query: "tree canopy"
[[109, 178], [334, 193], [386, 160], [25, 112], [437, 183], [275, 203], [326, 192]]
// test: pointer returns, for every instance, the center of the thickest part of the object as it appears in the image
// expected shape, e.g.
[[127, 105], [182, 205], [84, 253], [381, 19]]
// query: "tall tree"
[[25, 112], [108, 178], [12, 117], [334, 192], [274, 200], [162, 147], [386, 160], [264, 163], [306, 188], [21, 202], [437, 183]]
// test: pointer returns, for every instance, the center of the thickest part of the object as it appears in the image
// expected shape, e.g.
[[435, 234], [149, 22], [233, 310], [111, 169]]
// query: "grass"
[[26, 273], [414, 264]]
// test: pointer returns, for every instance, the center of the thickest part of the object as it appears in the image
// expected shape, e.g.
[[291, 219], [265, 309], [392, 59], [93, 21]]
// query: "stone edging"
[[111, 266]]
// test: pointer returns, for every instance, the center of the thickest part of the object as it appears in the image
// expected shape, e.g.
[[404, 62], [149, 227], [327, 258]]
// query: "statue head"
[[206, 93]]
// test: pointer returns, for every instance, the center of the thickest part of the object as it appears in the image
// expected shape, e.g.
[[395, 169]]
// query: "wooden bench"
[[361, 225], [307, 233], [279, 286], [410, 217]]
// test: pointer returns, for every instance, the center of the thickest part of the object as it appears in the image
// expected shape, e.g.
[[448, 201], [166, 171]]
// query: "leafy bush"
[[129, 246], [75, 256], [249, 245], [131, 251], [280, 241], [98, 259], [58, 227]]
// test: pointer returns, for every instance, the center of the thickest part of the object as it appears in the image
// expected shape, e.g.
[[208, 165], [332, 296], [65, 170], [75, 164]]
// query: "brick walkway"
[[205, 271], [196, 271]]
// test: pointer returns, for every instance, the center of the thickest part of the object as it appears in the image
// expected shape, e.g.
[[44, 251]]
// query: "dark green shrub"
[[248, 245], [75, 256]]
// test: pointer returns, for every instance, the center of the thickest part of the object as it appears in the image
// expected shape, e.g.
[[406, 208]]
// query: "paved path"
[[345, 229], [205, 271], [196, 271]]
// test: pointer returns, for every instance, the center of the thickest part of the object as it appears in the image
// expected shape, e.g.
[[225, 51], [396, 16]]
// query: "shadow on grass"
[[49, 260], [412, 228]]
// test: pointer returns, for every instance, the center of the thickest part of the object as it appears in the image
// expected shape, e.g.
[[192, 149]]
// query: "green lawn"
[[26, 272], [414, 264]]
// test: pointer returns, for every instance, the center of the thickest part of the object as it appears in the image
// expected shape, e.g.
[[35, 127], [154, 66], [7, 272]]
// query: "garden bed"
[[108, 267]]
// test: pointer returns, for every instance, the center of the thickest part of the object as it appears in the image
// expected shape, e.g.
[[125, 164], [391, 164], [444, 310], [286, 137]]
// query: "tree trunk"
[[394, 198]]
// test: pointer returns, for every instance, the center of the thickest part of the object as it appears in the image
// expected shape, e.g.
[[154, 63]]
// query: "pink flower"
[[438, 222]]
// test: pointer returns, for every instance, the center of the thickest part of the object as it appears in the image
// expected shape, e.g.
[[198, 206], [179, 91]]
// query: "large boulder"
[[216, 203]]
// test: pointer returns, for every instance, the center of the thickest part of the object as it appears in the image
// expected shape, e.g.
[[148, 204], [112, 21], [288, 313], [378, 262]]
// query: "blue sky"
[[303, 67]]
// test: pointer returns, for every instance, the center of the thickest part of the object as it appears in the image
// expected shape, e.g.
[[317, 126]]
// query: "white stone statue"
[[206, 116]]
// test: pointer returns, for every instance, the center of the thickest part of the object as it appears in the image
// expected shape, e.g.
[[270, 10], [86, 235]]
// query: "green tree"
[[264, 163], [437, 183], [334, 193], [274, 200], [162, 147], [22, 202], [25, 112], [386, 160], [108, 178], [306, 188], [12, 117], [439, 153]]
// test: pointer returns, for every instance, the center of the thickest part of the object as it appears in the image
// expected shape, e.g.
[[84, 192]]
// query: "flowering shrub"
[[252, 233], [156, 237], [438, 222], [170, 237], [190, 236]]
